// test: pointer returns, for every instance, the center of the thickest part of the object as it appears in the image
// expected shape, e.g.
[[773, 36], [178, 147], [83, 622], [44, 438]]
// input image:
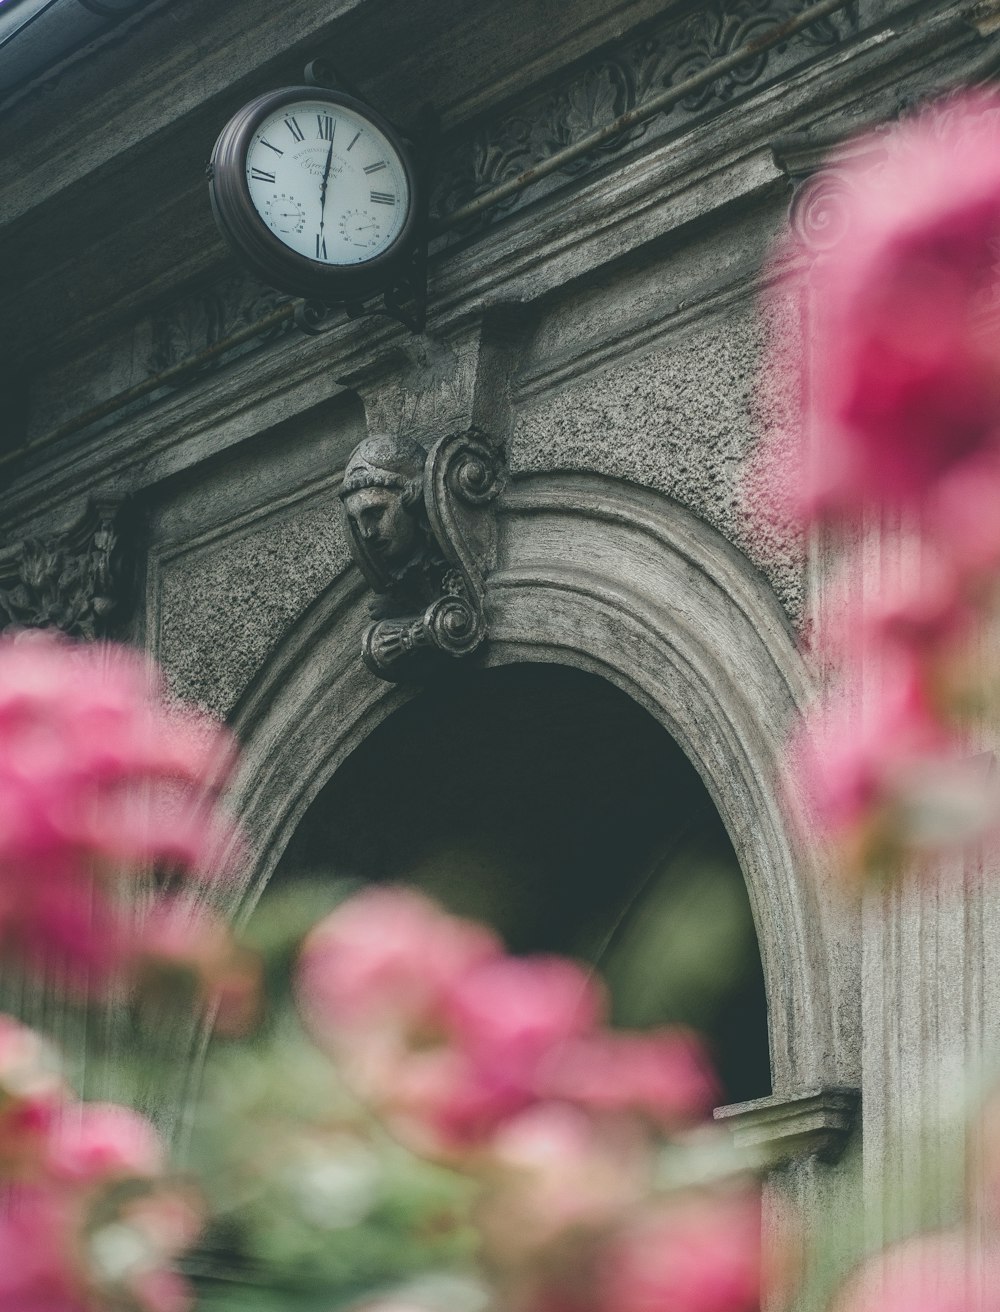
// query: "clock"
[[317, 193]]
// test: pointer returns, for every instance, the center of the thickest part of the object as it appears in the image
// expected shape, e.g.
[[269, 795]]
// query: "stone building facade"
[[172, 447]]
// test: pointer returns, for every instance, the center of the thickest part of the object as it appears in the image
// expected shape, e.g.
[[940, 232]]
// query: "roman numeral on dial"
[[321, 247], [270, 147], [260, 175], [326, 127], [292, 124], [382, 198], [354, 139], [374, 168]]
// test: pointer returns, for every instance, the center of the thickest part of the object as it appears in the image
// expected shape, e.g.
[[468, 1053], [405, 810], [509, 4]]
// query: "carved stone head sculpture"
[[384, 500], [417, 526]]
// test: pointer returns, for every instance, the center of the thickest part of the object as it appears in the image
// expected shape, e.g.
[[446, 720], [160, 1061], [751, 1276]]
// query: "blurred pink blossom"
[[692, 1255], [930, 1273], [99, 780], [385, 958], [65, 1249], [509, 1013], [557, 1177], [39, 1265], [100, 1141], [918, 623], [906, 384], [32, 1095], [665, 1075]]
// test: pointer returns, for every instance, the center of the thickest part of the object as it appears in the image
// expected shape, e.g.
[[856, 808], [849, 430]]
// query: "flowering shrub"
[[904, 414], [545, 1126], [504, 1068], [450, 1051], [100, 781]]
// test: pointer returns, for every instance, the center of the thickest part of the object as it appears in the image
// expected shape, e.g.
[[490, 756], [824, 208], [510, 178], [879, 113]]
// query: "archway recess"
[[621, 582]]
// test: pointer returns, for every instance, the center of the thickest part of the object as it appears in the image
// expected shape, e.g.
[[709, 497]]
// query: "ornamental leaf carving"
[[76, 581], [202, 320], [623, 77]]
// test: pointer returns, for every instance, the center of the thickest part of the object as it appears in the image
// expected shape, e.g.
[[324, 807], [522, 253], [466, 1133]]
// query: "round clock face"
[[327, 182], [316, 192]]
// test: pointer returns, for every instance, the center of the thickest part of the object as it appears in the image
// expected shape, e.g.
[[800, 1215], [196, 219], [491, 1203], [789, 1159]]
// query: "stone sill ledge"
[[814, 1122]]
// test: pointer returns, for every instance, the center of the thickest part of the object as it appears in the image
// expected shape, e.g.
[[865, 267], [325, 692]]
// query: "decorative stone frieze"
[[215, 312], [618, 80], [77, 581]]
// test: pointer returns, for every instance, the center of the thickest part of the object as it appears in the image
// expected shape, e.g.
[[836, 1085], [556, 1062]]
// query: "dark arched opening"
[[544, 800]]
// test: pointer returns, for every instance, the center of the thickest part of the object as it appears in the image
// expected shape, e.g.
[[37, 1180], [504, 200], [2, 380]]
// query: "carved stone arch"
[[622, 582]]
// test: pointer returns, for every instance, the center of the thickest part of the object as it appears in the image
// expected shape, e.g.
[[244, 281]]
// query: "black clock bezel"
[[245, 230]]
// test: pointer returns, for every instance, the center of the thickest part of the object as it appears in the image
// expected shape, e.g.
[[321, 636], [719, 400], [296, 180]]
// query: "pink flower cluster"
[[451, 1038], [905, 393], [904, 408], [87, 1217], [100, 781], [504, 1067]]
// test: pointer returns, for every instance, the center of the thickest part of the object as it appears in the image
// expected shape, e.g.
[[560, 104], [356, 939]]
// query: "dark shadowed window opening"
[[547, 802]]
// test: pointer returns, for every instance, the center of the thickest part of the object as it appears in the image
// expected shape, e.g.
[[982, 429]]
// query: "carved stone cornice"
[[79, 581], [621, 78], [784, 1127]]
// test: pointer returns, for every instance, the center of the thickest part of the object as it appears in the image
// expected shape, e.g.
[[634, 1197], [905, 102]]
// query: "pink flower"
[[930, 1273], [557, 1177], [893, 781], [65, 1249], [509, 1014], [696, 1255], [39, 1269], [385, 959], [99, 779], [185, 952], [101, 1141], [32, 1094], [907, 382], [664, 1075]]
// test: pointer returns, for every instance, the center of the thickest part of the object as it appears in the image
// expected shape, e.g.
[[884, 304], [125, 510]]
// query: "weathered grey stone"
[[682, 418], [222, 607]]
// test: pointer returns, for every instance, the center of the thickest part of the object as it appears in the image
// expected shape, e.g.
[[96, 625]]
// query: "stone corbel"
[[77, 581], [422, 531], [419, 505], [787, 1127]]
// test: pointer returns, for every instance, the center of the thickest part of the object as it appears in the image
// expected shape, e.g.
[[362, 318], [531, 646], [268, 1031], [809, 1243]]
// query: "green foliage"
[[310, 1196]]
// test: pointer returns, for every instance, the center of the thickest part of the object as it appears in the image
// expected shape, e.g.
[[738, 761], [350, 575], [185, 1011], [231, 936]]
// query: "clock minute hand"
[[322, 189]]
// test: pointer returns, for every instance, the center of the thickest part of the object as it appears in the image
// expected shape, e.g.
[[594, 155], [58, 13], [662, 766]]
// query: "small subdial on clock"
[[360, 229], [284, 213]]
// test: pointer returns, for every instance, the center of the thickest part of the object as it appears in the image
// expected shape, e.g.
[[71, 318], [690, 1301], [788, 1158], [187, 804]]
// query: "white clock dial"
[[327, 182]]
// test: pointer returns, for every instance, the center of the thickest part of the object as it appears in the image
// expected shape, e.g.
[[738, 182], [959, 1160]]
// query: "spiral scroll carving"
[[820, 211], [474, 475], [454, 626]]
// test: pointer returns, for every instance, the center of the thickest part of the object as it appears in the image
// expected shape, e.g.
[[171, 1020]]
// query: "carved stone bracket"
[[782, 1128], [76, 581], [421, 528]]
